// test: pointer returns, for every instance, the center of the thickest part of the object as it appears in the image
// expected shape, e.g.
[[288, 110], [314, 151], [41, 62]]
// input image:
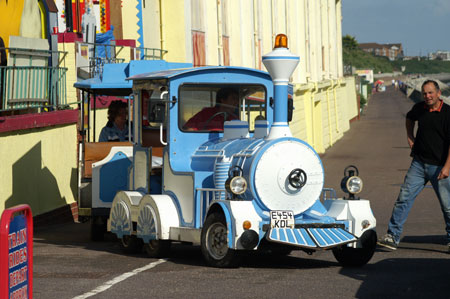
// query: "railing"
[[96, 64], [96, 55], [29, 83], [32, 87]]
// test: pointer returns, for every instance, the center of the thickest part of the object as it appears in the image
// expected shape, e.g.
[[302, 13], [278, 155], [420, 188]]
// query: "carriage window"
[[206, 107]]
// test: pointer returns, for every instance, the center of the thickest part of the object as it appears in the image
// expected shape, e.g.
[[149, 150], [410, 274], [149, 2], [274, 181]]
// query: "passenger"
[[116, 128], [212, 118], [431, 161]]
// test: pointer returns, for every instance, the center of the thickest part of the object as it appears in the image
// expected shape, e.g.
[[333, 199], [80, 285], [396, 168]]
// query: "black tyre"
[[157, 248], [357, 257], [131, 244], [214, 243], [98, 228]]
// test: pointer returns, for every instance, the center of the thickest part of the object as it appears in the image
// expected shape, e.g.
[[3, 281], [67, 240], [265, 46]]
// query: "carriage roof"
[[174, 73]]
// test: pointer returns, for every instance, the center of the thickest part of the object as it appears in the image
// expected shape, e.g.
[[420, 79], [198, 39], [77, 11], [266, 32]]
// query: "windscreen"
[[205, 108]]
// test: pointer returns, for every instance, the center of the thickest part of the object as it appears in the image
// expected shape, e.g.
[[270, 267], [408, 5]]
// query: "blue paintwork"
[[190, 71], [114, 177], [120, 224], [114, 76], [322, 237], [155, 184], [281, 103], [295, 58], [146, 226], [140, 30]]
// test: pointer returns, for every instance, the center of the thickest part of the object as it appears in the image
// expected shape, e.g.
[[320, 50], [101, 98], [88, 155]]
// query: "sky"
[[421, 26]]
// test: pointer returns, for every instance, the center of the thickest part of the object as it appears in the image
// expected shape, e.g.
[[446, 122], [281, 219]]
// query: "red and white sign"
[[16, 253]]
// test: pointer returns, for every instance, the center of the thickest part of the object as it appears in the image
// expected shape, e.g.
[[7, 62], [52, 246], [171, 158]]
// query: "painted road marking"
[[118, 279]]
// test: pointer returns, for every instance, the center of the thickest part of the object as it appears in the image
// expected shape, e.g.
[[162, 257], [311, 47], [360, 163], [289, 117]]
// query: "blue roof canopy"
[[113, 80], [172, 73]]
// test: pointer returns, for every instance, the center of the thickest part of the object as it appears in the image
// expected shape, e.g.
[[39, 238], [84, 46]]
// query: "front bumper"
[[311, 238]]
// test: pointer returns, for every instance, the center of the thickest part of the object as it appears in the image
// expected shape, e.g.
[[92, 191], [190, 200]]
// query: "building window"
[[225, 33], [198, 45], [198, 33]]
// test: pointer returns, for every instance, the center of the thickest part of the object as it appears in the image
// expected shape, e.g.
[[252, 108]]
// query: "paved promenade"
[[67, 264]]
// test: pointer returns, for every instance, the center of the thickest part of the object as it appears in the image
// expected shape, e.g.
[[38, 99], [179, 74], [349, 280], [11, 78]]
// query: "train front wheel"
[[214, 243], [357, 257]]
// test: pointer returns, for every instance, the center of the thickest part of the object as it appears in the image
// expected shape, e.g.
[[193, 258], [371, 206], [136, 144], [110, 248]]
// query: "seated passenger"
[[212, 118], [116, 128]]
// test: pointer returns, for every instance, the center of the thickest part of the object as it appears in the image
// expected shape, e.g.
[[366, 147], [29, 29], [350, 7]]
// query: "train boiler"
[[229, 175]]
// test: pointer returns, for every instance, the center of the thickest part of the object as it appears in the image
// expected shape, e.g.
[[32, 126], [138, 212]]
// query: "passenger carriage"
[[249, 185]]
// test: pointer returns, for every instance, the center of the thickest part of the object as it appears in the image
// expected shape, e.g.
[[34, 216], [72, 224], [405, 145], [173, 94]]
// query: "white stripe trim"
[[118, 279]]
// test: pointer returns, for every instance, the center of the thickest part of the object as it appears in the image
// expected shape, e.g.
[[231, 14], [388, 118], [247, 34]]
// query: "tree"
[[349, 42]]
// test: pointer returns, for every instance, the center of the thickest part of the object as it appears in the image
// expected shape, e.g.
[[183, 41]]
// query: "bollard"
[[16, 253]]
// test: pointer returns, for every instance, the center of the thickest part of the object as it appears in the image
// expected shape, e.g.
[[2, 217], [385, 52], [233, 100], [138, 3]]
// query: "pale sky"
[[421, 26]]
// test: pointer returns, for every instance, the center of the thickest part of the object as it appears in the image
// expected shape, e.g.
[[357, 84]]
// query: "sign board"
[[368, 74], [16, 253]]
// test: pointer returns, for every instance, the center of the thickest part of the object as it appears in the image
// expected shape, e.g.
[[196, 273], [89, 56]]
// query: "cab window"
[[205, 108]]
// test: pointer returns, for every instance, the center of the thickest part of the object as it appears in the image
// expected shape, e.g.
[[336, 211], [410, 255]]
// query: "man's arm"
[[410, 131], [446, 168]]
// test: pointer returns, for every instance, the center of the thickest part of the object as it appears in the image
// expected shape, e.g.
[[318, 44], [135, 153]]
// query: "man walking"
[[431, 161]]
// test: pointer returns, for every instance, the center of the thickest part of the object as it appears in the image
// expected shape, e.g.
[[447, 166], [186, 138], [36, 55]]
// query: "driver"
[[212, 118]]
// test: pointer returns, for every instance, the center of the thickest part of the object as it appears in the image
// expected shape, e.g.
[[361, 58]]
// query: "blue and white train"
[[247, 186]]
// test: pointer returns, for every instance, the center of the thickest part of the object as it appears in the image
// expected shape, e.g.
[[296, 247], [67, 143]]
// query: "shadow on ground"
[[402, 278]]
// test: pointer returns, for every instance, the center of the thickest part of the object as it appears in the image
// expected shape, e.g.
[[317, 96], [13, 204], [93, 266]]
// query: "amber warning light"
[[281, 41]]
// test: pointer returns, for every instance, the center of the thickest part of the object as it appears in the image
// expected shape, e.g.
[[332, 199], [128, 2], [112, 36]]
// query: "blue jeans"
[[416, 178]]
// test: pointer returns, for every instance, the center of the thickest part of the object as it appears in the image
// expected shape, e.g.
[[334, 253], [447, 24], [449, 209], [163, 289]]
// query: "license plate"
[[282, 219]]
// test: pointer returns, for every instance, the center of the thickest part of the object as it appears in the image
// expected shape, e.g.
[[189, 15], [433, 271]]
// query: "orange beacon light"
[[281, 41]]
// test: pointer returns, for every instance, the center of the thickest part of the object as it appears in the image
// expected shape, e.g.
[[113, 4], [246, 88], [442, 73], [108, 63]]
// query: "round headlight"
[[236, 185], [354, 185]]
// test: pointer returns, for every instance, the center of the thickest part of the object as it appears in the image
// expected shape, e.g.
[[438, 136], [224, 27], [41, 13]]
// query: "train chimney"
[[280, 63]]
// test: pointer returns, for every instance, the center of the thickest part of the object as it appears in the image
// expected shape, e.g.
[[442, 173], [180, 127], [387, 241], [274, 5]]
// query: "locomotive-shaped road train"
[[245, 184]]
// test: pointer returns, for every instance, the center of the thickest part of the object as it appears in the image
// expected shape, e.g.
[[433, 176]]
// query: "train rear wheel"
[[214, 243], [131, 244], [157, 248], [357, 257]]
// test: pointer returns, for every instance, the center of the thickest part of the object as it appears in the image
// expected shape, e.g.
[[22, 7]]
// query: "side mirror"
[[290, 108], [156, 112]]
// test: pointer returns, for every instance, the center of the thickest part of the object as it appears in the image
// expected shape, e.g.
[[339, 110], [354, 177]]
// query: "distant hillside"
[[423, 66], [355, 57], [362, 60]]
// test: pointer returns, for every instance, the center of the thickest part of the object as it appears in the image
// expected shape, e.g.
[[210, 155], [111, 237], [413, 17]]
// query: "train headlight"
[[236, 185], [351, 183]]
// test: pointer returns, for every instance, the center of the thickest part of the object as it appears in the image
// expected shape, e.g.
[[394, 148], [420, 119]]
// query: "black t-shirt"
[[433, 134]]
